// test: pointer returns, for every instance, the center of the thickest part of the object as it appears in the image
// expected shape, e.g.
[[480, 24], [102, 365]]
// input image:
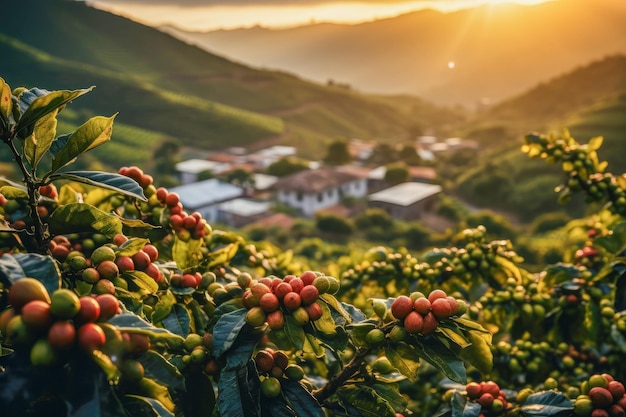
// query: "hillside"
[[160, 84], [499, 51], [589, 101], [552, 104]]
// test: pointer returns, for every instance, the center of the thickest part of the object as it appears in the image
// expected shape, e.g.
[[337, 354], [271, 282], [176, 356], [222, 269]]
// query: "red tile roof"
[[314, 180]]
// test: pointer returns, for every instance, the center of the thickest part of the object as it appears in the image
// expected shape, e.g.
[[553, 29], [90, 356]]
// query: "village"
[[320, 188]]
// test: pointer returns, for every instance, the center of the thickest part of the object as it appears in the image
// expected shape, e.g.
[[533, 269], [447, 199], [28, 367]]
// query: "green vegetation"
[[116, 301]]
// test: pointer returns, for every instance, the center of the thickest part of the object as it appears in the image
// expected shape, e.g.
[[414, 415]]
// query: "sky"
[[201, 15]]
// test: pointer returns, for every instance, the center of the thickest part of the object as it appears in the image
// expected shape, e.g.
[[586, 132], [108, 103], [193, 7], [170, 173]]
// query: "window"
[[299, 196], [320, 197]]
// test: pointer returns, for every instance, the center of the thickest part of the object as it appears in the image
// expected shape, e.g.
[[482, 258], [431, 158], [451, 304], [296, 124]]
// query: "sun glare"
[[451, 64], [265, 13]]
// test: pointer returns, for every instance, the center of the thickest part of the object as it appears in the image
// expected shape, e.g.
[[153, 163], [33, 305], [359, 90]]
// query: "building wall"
[[410, 212], [309, 203]]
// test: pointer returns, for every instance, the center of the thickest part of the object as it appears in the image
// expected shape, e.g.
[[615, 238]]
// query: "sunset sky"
[[214, 14]]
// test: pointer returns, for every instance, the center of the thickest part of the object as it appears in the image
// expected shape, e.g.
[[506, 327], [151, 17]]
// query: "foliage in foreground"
[[116, 302]]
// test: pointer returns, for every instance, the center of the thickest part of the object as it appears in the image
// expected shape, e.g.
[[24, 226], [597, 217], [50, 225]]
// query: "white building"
[[313, 190], [188, 170], [266, 157], [205, 196]]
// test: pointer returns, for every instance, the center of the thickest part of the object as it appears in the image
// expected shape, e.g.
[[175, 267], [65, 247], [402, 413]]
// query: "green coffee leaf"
[[366, 401], [161, 370], [44, 102], [92, 133], [41, 267], [107, 180], [294, 332], [404, 358], [443, 359], [461, 407], [303, 403], [227, 329], [325, 324], [163, 307], [185, 253], [229, 399], [547, 403], [78, 217], [479, 352], [222, 255], [131, 246], [178, 322], [145, 406], [141, 280], [39, 141]]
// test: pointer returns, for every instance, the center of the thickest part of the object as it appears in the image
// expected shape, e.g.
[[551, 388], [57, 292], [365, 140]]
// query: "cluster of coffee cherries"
[[581, 164], [106, 264], [186, 226], [489, 395], [421, 314], [270, 299], [54, 325], [17, 212], [198, 353], [601, 396], [272, 366], [186, 280]]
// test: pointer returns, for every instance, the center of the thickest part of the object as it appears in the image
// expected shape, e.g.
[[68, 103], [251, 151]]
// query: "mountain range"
[[164, 88], [498, 50]]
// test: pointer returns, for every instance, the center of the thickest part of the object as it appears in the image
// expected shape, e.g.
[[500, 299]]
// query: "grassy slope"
[[589, 101], [139, 103], [141, 71]]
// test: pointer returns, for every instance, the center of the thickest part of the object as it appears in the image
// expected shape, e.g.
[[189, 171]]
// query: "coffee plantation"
[[115, 301]]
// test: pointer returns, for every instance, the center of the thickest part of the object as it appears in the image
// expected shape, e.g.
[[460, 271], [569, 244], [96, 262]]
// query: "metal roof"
[[195, 166], [243, 207], [406, 193], [204, 193]]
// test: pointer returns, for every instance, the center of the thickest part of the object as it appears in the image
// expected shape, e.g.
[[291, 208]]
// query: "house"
[[206, 196], [313, 190], [189, 170], [406, 201], [376, 177], [241, 211], [266, 157]]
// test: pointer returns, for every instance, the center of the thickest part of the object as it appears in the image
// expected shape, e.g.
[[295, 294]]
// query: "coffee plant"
[[116, 301]]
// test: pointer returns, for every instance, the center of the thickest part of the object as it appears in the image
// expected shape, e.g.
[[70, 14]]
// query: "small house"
[[241, 211], [312, 190], [406, 201], [189, 170]]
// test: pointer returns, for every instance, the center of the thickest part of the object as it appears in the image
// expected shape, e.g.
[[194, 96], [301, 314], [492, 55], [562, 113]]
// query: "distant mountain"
[[589, 101], [557, 100], [163, 87], [498, 50]]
